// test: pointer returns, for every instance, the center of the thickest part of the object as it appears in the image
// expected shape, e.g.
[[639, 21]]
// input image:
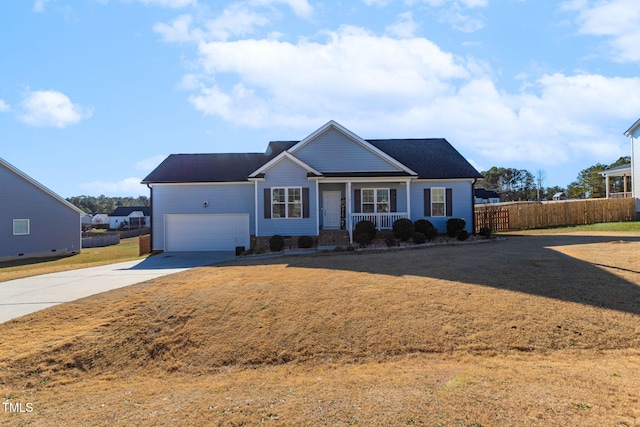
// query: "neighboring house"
[[624, 172], [559, 196], [483, 196], [100, 220], [330, 180], [130, 217], [634, 133], [35, 221]]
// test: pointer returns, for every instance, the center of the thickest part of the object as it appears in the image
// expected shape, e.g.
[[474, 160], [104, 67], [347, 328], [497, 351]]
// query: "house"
[[483, 196], [561, 195], [36, 222], [130, 217], [327, 182], [622, 172], [634, 133]]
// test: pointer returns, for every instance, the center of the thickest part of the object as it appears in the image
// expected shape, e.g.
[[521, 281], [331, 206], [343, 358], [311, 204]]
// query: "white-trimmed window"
[[286, 202], [438, 201], [375, 200], [20, 227]]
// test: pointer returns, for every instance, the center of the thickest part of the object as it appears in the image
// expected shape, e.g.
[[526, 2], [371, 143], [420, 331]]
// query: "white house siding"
[[635, 172], [332, 151], [287, 174], [235, 198], [54, 227], [462, 206]]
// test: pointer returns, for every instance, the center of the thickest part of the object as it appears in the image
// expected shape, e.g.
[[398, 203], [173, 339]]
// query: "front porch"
[[345, 202]]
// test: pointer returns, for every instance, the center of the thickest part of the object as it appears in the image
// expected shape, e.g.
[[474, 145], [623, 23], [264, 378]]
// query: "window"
[[375, 200], [286, 202], [437, 202], [20, 227]]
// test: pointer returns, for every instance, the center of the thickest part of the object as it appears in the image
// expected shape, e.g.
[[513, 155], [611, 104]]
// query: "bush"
[[419, 238], [305, 242], [454, 225], [403, 229], [430, 233], [462, 235], [276, 243], [365, 232], [485, 232], [422, 225]]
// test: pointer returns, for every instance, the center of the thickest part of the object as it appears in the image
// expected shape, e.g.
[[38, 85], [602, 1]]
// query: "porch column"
[[317, 208], [607, 185], [624, 183], [408, 184], [348, 212]]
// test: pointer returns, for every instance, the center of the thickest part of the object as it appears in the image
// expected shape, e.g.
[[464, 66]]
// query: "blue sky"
[[95, 93]]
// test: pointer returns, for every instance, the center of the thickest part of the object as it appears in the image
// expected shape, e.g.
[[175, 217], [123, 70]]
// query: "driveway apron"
[[24, 296]]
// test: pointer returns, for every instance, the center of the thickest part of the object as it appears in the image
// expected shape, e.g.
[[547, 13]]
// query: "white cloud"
[[125, 187], [51, 108], [404, 27], [147, 165], [174, 4], [301, 8], [4, 107], [38, 5], [615, 19]]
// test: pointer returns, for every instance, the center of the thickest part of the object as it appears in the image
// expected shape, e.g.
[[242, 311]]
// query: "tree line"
[[520, 184], [104, 204]]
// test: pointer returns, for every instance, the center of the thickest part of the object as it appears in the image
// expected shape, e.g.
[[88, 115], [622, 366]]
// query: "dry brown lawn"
[[539, 330]]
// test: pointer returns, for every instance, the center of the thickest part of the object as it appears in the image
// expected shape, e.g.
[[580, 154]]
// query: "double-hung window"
[[437, 202], [20, 227], [375, 200], [286, 202]]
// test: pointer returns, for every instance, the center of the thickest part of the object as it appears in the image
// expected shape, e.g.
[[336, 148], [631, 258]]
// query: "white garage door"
[[206, 232]]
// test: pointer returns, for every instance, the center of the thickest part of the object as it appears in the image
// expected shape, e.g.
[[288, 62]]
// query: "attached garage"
[[218, 232]]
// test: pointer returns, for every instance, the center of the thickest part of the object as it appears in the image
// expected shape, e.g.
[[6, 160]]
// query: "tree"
[[509, 183], [550, 191], [104, 204], [589, 184]]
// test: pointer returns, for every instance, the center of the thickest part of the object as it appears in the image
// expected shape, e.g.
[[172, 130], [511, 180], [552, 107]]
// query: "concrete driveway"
[[24, 296]]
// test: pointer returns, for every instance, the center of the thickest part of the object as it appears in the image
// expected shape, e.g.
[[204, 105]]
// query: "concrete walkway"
[[23, 296]]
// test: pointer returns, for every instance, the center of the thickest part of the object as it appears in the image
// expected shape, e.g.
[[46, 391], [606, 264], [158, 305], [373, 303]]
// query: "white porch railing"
[[382, 221], [620, 195]]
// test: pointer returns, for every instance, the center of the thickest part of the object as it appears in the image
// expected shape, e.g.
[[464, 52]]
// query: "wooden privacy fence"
[[97, 242], [144, 244], [525, 215]]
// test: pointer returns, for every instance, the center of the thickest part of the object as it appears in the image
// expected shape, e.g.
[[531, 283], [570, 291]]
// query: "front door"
[[331, 215]]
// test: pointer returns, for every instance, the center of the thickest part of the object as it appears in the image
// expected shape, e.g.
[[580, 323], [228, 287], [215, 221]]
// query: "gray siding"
[[462, 205], [287, 174], [54, 227], [189, 199], [332, 151]]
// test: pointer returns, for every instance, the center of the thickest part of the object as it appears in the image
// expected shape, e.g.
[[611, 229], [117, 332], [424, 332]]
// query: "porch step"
[[333, 238]]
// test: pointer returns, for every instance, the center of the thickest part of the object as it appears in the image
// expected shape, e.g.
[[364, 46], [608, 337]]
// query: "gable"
[[15, 185], [333, 150]]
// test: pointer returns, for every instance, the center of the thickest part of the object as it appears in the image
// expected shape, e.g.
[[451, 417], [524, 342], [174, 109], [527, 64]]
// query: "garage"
[[218, 232]]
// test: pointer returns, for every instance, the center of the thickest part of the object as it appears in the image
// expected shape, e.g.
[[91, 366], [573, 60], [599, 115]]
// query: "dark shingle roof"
[[126, 210], [482, 193], [430, 158]]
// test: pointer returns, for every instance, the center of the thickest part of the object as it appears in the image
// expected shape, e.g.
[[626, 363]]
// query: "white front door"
[[331, 205]]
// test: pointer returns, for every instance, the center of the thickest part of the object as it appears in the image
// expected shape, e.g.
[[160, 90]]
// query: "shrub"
[[391, 242], [419, 238], [422, 225], [430, 233], [276, 243], [403, 229], [454, 225], [305, 242], [485, 232], [462, 235], [365, 231], [350, 248]]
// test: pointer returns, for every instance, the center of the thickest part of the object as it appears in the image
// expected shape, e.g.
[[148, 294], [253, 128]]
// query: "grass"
[[126, 250], [531, 330], [605, 227]]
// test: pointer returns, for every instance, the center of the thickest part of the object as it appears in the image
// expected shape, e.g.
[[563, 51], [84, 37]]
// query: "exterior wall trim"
[[279, 158]]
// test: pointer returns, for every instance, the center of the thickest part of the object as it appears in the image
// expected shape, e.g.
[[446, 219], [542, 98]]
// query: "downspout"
[[151, 210], [473, 206]]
